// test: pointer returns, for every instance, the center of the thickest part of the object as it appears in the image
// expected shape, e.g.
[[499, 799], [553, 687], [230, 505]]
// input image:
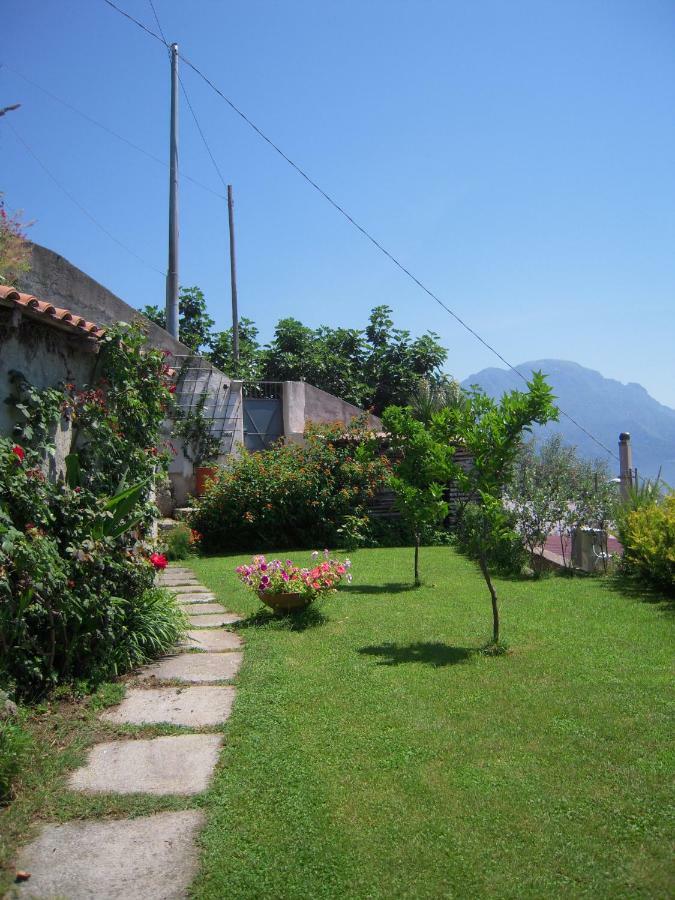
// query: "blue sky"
[[518, 157]]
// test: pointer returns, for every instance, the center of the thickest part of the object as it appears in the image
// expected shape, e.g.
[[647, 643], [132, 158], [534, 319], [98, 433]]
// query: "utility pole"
[[172, 271], [233, 278], [625, 465]]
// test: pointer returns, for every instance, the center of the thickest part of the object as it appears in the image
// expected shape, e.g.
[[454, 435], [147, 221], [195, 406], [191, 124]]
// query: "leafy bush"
[[290, 495], [647, 533], [179, 542], [507, 552], [153, 622]]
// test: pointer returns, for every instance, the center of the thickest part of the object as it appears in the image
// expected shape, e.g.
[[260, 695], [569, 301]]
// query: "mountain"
[[604, 407]]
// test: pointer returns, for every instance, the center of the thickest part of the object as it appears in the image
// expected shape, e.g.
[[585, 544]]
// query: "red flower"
[[18, 451], [172, 389], [158, 560]]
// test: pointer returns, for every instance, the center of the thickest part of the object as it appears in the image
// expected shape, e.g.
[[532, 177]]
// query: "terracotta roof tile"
[[51, 314]]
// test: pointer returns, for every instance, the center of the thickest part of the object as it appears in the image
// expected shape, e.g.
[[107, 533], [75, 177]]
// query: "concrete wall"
[[45, 355], [304, 403]]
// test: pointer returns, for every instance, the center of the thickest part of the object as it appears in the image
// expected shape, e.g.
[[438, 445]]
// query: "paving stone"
[[216, 640], [180, 582], [179, 764], [199, 597], [198, 608], [151, 857], [184, 587], [194, 667], [195, 588], [209, 621], [197, 707]]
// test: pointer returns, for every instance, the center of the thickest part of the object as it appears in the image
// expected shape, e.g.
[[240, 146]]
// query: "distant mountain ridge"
[[604, 406]]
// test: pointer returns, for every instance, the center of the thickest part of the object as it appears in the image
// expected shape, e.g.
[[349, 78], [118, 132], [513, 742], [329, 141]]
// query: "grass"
[[374, 752]]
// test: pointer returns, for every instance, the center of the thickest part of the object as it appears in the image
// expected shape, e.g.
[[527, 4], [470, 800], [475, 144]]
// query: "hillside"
[[603, 406]]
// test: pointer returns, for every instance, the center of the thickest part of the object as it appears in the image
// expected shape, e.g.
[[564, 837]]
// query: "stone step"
[[180, 581], [213, 640], [153, 857], [214, 620], [179, 764], [192, 668], [195, 707], [200, 607], [196, 598], [195, 588]]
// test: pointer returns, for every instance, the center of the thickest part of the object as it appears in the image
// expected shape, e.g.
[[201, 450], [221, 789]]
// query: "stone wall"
[[46, 356]]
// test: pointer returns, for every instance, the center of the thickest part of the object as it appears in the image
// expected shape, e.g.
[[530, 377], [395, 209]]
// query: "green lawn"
[[373, 753]]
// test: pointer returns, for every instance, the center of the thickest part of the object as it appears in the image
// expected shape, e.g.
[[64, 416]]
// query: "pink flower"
[[158, 560]]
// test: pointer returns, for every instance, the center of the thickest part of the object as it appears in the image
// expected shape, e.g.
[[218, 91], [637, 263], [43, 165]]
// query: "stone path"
[[151, 857]]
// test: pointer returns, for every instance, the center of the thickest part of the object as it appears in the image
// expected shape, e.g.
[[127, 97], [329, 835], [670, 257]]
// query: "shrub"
[[647, 533], [75, 569], [179, 542], [152, 623], [290, 495]]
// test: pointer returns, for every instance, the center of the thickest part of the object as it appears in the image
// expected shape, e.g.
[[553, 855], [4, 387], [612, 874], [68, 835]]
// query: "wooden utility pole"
[[233, 278], [172, 271]]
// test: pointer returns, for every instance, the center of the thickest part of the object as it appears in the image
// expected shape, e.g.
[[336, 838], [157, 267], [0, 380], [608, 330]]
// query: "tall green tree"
[[249, 365], [194, 322]]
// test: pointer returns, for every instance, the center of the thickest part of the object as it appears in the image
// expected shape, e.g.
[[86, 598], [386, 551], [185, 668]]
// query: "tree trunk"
[[493, 595], [417, 560]]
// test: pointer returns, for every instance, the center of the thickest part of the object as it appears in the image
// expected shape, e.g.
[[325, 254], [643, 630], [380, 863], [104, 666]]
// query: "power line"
[[76, 202], [351, 219], [108, 130]]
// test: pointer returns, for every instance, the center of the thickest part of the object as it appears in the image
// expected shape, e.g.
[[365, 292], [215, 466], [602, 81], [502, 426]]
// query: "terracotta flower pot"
[[284, 602], [203, 474]]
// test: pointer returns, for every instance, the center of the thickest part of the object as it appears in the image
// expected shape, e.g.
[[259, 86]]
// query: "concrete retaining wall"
[[304, 403]]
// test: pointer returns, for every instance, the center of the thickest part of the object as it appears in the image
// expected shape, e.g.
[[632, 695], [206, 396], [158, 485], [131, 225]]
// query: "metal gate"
[[263, 415]]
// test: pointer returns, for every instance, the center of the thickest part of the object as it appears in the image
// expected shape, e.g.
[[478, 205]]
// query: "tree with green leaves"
[[249, 365], [194, 322], [422, 468], [492, 432]]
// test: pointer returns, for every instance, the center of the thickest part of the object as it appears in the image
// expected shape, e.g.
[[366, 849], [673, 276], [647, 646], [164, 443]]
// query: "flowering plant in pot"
[[285, 586]]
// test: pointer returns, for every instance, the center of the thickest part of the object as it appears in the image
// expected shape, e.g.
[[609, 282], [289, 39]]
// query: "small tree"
[[492, 432], [552, 488], [421, 471]]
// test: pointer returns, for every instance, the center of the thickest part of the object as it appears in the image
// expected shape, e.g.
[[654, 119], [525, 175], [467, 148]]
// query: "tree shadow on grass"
[[432, 653], [296, 621], [635, 589], [396, 587]]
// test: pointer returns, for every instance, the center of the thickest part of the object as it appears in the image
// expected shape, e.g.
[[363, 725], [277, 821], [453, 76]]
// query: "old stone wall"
[[46, 356]]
